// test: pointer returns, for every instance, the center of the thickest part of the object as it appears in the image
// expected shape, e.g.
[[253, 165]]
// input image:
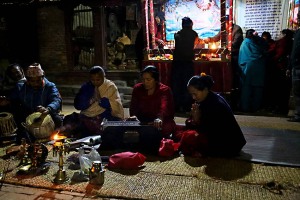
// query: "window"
[[83, 37]]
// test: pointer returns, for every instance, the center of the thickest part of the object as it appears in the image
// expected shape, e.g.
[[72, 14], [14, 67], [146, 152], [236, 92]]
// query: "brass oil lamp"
[[60, 148]]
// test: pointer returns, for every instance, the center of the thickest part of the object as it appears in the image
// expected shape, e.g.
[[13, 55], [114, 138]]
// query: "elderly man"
[[37, 94]]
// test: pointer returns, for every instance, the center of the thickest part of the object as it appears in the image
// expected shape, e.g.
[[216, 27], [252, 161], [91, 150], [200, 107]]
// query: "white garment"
[[109, 90]]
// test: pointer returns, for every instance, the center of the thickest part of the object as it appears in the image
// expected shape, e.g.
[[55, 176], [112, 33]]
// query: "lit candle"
[[58, 139], [213, 46]]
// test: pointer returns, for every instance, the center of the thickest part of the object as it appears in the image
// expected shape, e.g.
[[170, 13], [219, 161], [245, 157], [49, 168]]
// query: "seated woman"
[[217, 130], [152, 104], [97, 99]]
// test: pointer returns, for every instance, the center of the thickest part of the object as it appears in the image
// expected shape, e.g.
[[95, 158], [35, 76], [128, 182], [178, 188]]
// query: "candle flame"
[[57, 136], [213, 46]]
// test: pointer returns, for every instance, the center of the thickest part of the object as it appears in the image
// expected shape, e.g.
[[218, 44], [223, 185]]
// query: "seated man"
[[37, 94], [14, 76], [97, 99]]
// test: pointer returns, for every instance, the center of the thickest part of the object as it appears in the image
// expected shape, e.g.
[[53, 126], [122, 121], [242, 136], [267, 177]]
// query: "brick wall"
[[51, 39]]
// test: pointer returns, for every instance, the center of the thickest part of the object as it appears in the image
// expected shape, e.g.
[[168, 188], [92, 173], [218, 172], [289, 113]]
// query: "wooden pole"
[[223, 25], [145, 23], [230, 26], [152, 30]]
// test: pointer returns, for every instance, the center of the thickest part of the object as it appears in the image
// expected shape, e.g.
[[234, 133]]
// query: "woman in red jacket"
[[152, 102]]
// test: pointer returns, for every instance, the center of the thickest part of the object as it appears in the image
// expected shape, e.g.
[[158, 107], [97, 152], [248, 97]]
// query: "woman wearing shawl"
[[252, 65]]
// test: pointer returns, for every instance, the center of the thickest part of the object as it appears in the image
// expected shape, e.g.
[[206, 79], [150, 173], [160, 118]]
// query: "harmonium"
[[120, 134]]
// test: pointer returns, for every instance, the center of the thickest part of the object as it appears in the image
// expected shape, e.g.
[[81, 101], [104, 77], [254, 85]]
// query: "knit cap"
[[34, 71]]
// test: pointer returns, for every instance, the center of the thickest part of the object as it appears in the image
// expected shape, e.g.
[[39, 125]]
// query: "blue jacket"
[[28, 98]]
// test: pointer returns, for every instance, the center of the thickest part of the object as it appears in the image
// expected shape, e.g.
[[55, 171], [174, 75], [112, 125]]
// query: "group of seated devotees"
[[151, 105]]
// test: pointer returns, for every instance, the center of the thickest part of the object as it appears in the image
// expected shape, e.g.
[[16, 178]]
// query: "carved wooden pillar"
[[144, 4], [152, 20], [223, 24], [100, 36], [230, 26]]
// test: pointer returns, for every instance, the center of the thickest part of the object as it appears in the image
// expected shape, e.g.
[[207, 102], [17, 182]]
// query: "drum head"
[[8, 126]]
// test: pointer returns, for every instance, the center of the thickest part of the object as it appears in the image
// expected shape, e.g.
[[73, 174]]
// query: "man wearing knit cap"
[[36, 95], [183, 66]]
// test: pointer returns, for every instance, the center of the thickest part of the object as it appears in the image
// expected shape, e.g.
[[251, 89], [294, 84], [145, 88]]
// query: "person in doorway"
[[295, 68], [97, 99], [210, 116], [158, 30], [37, 94], [183, 66]]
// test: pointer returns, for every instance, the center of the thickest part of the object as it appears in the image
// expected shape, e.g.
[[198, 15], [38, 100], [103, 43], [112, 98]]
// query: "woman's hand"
[[195, 113], [132, 118], [157, 123]]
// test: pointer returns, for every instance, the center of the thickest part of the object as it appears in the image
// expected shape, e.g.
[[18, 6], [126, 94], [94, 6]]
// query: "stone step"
[[127, 96], [125, 90], [120, 83]]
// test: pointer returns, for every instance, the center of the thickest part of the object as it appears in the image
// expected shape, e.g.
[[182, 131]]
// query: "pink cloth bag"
[[126, 160]]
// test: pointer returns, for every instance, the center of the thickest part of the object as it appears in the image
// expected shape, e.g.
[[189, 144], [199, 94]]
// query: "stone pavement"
[[14, 192]]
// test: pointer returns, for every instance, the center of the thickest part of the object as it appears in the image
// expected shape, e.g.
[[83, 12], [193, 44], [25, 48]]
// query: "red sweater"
[[149, 107]]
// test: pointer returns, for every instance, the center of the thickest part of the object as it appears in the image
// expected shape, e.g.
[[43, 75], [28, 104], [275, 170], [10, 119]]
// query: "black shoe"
[[293, 119]]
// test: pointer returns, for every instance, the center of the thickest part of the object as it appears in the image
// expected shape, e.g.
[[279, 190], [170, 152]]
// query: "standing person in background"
[[269, 88], [280, 79], [295, 67], [183, 66], [252, 65], [158, 30], [236, 41], [96, 99]]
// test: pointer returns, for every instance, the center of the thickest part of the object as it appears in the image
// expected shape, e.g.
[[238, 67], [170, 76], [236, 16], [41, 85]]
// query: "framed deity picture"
[[131, 12]]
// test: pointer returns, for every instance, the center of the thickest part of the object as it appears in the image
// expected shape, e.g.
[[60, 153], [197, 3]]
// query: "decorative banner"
[[206, 16], [293, 11], [130, 12], [262, 15]]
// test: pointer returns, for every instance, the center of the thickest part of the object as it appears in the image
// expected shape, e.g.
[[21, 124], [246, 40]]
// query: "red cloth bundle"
[[167, 147], [126, 160], [193, 142]]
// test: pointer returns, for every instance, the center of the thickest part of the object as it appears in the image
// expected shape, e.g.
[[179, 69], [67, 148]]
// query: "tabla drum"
[[41, 127], [7, 124]]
